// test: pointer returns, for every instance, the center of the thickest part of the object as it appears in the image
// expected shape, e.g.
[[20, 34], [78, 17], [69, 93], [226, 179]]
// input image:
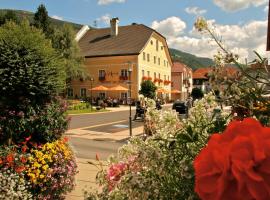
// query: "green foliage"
[[39, 123], [190, 60], [29, 67], [64, 41], [148, 89], [21, 15], [196, 93], [31, 76], [42, 21], [8, 16]]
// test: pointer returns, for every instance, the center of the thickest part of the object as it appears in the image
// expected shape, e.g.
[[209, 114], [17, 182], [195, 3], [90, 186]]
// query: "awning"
[[99, 88]]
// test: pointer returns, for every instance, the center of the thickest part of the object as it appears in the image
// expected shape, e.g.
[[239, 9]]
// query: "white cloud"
[[195, 11], [266, 8], [169, 27], [241, 39], [105, 19], [106, 2], [57, 17], [235, 5]]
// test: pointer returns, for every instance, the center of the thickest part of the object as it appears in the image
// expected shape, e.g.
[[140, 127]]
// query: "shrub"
[[196, 93], [148, 89]]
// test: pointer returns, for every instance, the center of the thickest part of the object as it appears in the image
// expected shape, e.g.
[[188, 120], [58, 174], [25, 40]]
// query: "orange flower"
[[23, 159], [10, 158], [24, 148], [19, 169]]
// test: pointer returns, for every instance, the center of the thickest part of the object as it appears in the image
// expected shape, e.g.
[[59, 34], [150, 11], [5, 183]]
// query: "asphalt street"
[[86, 120]]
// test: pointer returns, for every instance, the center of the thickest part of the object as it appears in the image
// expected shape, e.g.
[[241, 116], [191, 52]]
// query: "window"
[[124, 72], [123, 95], [155, 76], [70, 92], [148, 73], [101, 75], [161, 47], [102, 95], [142, 72], [83, 92], [148, 57], [155, 59], [168, 77], [158, 61], [164, 77], [143, 55], [164, 63], [167, 64], [157, 45], [151, 42]]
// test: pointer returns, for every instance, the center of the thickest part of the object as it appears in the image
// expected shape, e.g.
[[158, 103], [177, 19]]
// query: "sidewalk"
[[84, 179]]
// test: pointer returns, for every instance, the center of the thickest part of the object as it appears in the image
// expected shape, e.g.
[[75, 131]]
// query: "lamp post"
[[91, 94], [129, 96]]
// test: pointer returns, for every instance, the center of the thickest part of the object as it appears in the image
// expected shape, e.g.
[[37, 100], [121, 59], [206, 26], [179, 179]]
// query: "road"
[[79, 121]]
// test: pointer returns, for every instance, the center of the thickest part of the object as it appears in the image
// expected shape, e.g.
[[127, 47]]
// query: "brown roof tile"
[[129, 41]]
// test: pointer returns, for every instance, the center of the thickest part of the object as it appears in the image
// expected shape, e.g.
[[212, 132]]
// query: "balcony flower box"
[[167, 82], [156, 80], [123, 78], [144, 78], [160, 81], [149, 78]]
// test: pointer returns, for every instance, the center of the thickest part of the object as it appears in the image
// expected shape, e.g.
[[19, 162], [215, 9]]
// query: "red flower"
[[236, 164], [65, 139], [24, 148], [10, 158], [19, 169], [23, 159]]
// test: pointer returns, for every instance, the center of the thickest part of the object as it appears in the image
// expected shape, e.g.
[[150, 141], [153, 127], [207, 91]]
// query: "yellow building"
[[111, 53]]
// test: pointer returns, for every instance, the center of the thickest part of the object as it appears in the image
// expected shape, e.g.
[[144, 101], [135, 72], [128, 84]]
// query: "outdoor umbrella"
[[99, 88], [162, 90], [118, 88], [175, 91]]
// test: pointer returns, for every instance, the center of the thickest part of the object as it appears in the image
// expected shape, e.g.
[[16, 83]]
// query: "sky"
[[241, 24]]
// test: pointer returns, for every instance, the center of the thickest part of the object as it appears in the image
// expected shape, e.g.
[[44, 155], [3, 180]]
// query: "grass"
[[83, 111]]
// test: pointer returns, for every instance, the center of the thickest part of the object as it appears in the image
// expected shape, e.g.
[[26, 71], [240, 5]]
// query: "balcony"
[[123, 78]]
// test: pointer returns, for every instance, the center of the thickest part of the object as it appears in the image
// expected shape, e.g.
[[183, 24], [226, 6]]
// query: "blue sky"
[[239, 21]]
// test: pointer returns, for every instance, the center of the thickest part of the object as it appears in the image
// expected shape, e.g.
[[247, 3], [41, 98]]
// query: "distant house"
[[111, 52], [201, 77], [181, 81]]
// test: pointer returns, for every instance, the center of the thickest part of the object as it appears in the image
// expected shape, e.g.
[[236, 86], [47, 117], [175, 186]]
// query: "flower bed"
[[44, 172]]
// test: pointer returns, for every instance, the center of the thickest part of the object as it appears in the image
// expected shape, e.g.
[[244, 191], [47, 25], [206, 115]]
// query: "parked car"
[[180, 107]]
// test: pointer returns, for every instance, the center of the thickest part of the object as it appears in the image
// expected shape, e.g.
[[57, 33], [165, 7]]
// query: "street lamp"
[[129, 96], [91, 94]]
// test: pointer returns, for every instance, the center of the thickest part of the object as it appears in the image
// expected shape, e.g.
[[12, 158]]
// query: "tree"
[[64, 42], [42, 21], [10, 15], [197, 93], [32, 76], [148, 89]]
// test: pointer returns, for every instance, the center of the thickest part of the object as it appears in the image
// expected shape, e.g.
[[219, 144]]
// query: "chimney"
[[114, 26]]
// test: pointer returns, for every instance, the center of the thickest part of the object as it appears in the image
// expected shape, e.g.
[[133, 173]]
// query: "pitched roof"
[[202, 73], [179, 67], [129, 41]]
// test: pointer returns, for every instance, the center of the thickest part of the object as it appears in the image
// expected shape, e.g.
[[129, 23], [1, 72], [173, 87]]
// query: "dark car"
[[180, 107]]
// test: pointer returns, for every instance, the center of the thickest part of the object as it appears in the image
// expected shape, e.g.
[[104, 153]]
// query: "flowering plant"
[[159, 166]]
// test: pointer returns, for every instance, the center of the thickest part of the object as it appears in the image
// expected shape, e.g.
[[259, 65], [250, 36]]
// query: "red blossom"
[[19, 169], [10, 158], [235, 165], [24, 148]]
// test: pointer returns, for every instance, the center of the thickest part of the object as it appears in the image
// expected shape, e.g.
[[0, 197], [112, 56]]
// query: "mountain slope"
[[21, 14], [190, 60]]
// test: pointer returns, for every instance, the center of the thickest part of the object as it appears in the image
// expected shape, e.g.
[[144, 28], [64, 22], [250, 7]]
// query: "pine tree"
[[42, 21]]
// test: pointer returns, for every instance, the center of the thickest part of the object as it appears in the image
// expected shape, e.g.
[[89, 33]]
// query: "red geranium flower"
[[236, 164], [19, 169], [10, 158]]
